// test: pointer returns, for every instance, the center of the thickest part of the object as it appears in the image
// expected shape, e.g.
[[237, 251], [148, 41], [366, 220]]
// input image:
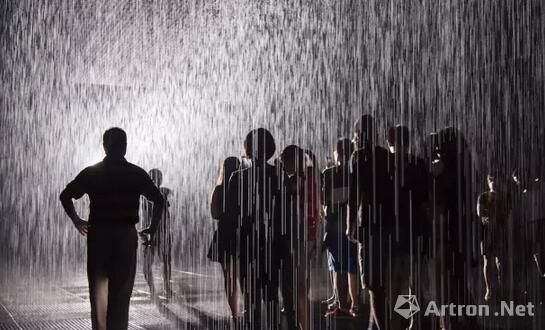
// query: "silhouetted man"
[[114, 187]]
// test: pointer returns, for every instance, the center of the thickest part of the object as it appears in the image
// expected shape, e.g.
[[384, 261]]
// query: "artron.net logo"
[[407, 305]]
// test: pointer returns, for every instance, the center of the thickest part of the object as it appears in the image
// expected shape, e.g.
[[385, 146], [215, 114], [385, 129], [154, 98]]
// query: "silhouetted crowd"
[[393, 224], [406, 224]]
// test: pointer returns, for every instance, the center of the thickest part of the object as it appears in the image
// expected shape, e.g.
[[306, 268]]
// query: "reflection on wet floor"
[[199, 303]]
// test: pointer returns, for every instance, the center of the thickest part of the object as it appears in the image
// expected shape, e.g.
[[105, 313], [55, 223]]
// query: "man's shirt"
[[114, 187]]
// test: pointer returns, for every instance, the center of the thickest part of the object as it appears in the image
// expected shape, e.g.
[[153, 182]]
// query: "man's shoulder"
[[135, 170], [90, 170]]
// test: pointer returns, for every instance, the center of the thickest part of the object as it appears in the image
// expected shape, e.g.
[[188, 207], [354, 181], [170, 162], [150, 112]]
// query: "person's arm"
[[216, 202], [538, 264], [354, 200], [482, 208], [153, 194], [314, 207], [232, 206], [324, 198], [75, 190]]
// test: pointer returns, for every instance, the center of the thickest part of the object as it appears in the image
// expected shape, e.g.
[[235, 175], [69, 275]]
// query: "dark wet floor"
[[199, 303]]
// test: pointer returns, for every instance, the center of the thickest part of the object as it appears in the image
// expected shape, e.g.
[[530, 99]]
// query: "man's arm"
[[74, 190]]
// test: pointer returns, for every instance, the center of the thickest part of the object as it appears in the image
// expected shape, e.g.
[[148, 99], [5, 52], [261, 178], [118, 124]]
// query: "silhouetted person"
[[410, 193], [313, 196], [299, 220], [533, 216], [453, 203], [427, 282], [223, 247], [114, 187], [494, 208], [371, 214], [342, 254], [162, 242], [253, 205]]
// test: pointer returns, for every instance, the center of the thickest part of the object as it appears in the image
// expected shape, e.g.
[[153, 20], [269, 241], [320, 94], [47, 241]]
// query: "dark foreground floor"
[[199, 304]]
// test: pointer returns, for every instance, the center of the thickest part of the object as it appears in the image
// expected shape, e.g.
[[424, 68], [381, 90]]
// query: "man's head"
[[114, 142], [398, 138], [293, 159], [343, 151], [259, 144], [364, 131], [156, 176]]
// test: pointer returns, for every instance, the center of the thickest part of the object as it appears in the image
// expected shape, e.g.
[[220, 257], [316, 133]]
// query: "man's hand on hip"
[[81, 225]]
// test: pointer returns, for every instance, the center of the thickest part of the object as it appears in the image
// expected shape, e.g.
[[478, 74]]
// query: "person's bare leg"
[[342, 289], [167, 274], [331, 299], [302, 312], [378, 305], [335, 289], [230, 286], [233, 287], [148, 271], [487, 274], [335, 297], [353, 289], [498, 270], [234, 296], [303, 286]]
